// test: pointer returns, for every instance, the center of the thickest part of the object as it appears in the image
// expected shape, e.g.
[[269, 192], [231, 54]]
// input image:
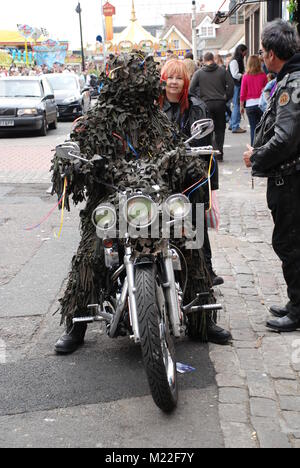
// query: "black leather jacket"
[[197, 110], [277, 140]]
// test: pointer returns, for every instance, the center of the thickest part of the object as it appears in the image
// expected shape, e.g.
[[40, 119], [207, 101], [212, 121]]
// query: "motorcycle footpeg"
[[204, 308], [83, 320], [101, 314], [194, 302]]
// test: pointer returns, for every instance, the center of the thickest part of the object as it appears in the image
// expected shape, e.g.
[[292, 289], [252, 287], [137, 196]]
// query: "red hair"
[[176, 67]]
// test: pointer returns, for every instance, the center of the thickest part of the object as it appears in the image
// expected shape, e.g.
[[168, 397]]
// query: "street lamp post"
[[104, 35], [194, 32], [78, 10]]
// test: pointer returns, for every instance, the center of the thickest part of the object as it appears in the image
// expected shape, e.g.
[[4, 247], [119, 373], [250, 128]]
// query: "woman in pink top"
[[253, 83]]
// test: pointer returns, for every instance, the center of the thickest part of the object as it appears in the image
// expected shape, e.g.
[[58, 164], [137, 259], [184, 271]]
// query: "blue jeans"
[[236, 113], [254, 115]]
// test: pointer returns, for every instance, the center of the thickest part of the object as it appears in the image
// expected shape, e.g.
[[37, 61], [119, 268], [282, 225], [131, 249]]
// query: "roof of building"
[[228, 35], [134, 32]]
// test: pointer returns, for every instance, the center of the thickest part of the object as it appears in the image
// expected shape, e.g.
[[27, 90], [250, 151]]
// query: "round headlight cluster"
[[104, 218], [140, 211], [178, 207]]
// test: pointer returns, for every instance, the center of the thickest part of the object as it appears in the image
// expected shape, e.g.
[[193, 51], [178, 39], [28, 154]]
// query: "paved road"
[[99, 397], [27, 158]]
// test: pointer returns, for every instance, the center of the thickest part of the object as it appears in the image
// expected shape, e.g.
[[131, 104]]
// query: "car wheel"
[[53, 125], [43, 131]]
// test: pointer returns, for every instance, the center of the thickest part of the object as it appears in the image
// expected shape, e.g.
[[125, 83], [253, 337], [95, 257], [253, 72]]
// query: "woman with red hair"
[[184, 109], [176, 102]]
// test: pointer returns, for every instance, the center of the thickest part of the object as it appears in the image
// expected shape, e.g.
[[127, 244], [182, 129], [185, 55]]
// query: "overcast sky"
[[61, 20]]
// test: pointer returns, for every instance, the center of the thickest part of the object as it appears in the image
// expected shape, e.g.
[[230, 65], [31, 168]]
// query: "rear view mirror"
[[69, 151], [200, 129], [48, 97]]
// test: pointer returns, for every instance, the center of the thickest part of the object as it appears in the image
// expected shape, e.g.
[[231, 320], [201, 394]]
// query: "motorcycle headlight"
[[27, 112], [178, 206], [104, 218], [140, 211]]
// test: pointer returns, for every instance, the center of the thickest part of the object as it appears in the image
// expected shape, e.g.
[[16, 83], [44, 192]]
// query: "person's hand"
[[247, 156], [242, 110]]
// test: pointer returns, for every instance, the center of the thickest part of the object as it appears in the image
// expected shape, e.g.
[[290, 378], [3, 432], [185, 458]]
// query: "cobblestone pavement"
[[258, 376], [26, 158]]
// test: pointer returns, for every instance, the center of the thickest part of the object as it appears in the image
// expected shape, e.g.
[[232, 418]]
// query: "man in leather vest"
[[276, 155]]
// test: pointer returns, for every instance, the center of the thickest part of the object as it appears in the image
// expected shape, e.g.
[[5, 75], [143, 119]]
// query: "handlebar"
[[198, 151], [71, 151], [202, 151]]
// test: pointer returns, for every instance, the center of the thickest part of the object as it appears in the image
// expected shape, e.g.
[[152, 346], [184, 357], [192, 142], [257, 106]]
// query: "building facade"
[[219, 39], [256, 14]]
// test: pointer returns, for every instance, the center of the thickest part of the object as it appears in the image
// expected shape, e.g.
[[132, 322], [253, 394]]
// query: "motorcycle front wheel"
[[156, 343]]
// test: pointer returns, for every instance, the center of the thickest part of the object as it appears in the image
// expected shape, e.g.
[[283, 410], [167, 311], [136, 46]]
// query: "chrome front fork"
[[172, 294], [132, 294]]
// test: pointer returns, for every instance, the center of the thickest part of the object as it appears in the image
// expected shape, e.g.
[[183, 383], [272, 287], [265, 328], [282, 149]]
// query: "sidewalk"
[[258, 377]]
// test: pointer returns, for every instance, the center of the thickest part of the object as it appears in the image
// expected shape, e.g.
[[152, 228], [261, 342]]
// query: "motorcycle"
[[143, 295]]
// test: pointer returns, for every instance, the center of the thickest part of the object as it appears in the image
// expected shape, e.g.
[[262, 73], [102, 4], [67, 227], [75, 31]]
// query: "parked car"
[[72, 96], [27, 103]]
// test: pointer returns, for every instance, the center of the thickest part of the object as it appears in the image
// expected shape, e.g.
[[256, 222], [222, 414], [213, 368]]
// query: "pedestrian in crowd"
[[3, 72], [170, 55], [219, 61], [253, 83], [227, 61], [200, 63], [276, 155], [190, 66], [189, 55], [214, 85], [237, 70], [268, 92], [228, 103], [184, 109]]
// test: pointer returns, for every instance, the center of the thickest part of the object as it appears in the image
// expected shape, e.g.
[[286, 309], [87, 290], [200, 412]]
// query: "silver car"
[[71, 94], [26, 104]]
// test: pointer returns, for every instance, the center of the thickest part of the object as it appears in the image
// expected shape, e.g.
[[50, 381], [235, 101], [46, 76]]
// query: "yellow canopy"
[[134, 32], [13, 37]]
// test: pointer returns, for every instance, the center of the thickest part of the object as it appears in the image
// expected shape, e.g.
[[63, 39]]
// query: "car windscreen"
[[20, 88], [63, 82]]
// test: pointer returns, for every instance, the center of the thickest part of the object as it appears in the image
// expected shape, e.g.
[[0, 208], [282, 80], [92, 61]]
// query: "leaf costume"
[[127, 128]]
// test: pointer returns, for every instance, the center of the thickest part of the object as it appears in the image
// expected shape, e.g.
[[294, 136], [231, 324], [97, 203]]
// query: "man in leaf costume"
[[125, 129]]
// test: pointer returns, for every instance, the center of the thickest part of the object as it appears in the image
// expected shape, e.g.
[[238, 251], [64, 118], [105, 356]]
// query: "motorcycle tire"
[[156, 343]]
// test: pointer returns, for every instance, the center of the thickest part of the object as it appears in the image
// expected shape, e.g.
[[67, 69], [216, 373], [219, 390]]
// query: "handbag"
[[212, 215]]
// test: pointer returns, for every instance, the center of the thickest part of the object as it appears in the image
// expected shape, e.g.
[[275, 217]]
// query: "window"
[[22, 88], [207, 31], [63, 81], [237, 17], [47, 88], [176, 44]]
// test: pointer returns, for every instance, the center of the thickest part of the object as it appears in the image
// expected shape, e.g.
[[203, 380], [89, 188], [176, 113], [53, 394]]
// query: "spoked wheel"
[[157, 345]]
